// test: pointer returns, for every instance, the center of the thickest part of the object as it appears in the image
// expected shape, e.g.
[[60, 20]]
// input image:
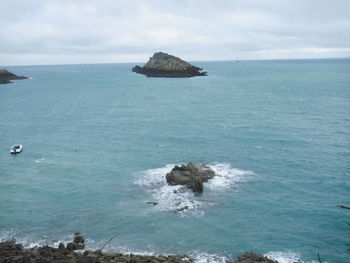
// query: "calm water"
[[98, 140]]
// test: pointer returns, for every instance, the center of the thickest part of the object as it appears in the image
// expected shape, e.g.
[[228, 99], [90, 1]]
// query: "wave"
[[170, 199], [284, 257], [227, 177], [29, 241], [200, 257], [287, 257], [26, 241]]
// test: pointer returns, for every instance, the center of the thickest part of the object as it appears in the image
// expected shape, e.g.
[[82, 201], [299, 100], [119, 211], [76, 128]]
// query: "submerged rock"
[[191, 175], [7, 76], [152, 203], [168, 66]]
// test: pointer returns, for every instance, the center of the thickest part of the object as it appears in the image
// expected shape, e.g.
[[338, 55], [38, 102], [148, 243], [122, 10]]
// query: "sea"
[[99, 139]]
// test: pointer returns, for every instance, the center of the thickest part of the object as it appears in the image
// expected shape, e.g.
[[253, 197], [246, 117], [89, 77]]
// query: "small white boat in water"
[[17, 148]]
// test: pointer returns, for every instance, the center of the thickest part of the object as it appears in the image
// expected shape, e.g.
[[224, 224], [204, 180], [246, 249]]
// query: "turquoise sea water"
[[98, 140]]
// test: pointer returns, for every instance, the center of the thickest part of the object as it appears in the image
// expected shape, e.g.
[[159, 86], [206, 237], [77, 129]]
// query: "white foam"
[[128, 251], [26, 241], [283, 257], [39, 160], [154, 181], [170, 199], [226, 176], [29, 241], [200, 257]]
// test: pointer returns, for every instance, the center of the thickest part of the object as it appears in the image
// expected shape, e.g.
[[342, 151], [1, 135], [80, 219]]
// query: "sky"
[[41, 32]]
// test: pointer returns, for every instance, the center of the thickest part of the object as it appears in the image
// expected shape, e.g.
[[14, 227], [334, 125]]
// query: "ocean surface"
[[99, 139]]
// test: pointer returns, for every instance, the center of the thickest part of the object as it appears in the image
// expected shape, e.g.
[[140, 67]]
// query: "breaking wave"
[[284, 257], [208, 258], [31, 241]]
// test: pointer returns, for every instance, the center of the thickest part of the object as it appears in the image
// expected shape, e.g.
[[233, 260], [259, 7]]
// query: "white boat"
[[17, 148]]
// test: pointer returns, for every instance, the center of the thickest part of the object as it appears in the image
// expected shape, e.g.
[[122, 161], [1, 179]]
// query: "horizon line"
[[192, 61]]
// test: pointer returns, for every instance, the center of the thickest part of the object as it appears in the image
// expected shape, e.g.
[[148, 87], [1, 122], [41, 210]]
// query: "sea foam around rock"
[[170, 199]]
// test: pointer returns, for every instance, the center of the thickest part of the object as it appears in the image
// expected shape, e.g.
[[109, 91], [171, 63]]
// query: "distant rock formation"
[[191, 175], [168, 66], [6, 76]]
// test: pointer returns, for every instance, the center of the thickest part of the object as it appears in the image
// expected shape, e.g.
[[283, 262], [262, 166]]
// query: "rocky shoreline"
[[12, 252], [6, 76]]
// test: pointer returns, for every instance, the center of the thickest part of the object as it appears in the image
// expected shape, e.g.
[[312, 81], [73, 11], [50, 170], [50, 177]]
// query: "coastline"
[[10, 251]]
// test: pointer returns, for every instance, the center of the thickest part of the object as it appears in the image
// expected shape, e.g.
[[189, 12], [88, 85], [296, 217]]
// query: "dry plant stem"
[[108, 241]]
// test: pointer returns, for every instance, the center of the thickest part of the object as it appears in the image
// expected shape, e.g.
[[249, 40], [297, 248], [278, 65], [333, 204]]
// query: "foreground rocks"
[[250, 257], [168, 66], [192, 176], [10, 252], [77, 244], [7, 76]]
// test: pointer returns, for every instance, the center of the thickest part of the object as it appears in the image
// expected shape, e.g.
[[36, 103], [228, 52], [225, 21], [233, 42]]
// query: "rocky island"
[[7, 76], [164, 65], [192, 176]]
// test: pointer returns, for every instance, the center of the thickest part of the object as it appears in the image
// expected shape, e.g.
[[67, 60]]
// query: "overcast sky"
[[104, 31]]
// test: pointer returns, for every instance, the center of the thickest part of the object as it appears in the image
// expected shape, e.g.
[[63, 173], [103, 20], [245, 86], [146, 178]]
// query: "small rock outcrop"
[[78, 242], [191, 175], [7, 76], [168, 66], [250, 257]]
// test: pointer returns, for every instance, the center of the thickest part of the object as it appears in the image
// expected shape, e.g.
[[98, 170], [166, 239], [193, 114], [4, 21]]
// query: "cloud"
[[50, 32]]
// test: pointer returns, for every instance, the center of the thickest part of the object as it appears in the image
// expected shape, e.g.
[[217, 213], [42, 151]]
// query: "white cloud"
[[51, 32]]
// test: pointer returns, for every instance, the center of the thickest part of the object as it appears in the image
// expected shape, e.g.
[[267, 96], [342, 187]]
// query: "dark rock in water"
[[152, 203], [251, 257], [6, 76], [197, 186], [78, 238], [61, 246], [168, 66], [4, 81], [182, 208], [77, 244], [191, 175], [70, 246]]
